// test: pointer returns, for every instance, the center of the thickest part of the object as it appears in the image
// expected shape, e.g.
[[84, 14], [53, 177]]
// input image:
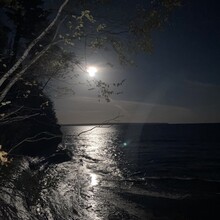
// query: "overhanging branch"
[[32, 44]]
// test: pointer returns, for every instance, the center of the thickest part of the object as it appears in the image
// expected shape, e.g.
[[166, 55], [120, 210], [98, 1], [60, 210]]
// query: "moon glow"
[[91, 70]]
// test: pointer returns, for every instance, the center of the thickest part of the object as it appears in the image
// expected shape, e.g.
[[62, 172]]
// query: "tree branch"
[[11, 113], [32, 44], [18, 118], [101, 125], [35, 138], [21, 73]]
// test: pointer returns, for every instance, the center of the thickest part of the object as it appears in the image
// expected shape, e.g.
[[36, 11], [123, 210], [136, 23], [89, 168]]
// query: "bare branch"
[[21, 73], [32, 44], [17, 118], [18, 76], [35, 138], [11, 113], [101, 125]]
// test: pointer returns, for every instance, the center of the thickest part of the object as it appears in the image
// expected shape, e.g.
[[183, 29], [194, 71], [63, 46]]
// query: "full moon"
[[91, 71]]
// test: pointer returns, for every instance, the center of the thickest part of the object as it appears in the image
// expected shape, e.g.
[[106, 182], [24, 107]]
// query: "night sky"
[[178, 83]]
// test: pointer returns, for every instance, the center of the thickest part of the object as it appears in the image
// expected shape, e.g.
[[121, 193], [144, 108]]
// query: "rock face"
[[42, 124]]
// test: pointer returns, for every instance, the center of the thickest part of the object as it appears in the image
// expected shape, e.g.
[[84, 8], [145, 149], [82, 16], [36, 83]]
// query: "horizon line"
[[150, 123]]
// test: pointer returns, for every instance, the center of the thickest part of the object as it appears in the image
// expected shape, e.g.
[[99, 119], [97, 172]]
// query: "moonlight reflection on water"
[[96, 168], [94, 180]]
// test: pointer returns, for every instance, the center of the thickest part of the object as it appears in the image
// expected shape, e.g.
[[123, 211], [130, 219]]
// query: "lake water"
[[144, 171], [147, 172]]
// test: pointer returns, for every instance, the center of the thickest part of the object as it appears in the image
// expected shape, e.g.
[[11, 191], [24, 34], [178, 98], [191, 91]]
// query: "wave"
[[141, 176], [181, 178], [136, 191]]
